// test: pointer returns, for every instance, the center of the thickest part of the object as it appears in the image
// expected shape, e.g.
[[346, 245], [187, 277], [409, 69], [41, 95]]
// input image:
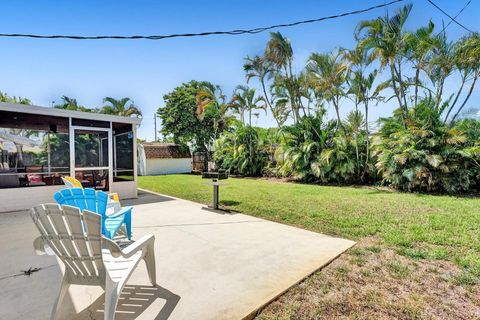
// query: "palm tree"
[[442, 64], [211, 101], [328, 73], [261, 68], [244, 100], [385, 38], [467, 56], [18, 100], [124, 107], [279, 53], [71, 104], [419, 47]]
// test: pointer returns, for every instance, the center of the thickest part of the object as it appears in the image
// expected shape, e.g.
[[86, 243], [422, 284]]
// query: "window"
[[91, 158], [123, 152], [34, 150]]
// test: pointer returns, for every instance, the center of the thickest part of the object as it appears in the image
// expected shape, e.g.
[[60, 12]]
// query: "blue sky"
[[44, 70]]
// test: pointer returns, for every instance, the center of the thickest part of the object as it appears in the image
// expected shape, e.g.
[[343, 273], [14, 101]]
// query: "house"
[[156, 158], [39, 145]]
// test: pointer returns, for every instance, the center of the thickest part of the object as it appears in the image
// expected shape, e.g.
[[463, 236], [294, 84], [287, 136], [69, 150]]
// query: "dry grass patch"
[[372, 281]]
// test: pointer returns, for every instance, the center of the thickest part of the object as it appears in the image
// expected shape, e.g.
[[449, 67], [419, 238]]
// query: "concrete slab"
[[209, 265]]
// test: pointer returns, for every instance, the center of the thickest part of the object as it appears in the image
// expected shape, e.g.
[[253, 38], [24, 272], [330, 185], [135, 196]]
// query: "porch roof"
[[37, 110]]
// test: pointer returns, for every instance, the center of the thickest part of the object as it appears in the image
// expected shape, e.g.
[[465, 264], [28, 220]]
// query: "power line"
[[451, 18], [178, 35], [459, 13]]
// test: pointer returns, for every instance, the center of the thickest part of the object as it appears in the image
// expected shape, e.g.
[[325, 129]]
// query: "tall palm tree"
[[244, 100], [419, 48], [385, 38], [467, 57], [328, 73], [279, 53], [442, 65], [261, 68], [123, 107]]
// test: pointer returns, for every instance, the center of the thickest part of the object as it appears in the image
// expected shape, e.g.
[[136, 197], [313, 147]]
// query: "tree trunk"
[[337, 111], [367, 140], [455, 100], [439, 93], [467, 97], [402, 89], [395, 90], [268, 103], [417, 83]]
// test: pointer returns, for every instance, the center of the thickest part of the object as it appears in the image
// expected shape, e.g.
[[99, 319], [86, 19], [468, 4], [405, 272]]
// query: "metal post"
[[48, 154], [155, 120], [71, 138], [215, 194]]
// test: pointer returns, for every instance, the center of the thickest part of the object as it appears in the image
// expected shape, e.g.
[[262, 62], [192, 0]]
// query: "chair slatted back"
[[75, 237], [84, 199]]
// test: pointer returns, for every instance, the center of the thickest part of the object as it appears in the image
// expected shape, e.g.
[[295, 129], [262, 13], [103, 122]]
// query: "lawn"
[[401, 237]]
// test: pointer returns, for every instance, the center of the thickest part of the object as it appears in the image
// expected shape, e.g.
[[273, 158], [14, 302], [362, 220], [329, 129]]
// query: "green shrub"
[[241, 151], [426, 154]]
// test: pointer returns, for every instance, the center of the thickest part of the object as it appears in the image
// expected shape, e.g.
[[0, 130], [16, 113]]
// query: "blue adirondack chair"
[[96, 201]]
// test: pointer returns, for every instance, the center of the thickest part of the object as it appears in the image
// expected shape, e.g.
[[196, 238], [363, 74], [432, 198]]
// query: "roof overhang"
[[23, 108]]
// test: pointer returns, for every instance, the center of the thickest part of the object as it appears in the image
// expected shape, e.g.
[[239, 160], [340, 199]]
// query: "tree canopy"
[[188, 116]]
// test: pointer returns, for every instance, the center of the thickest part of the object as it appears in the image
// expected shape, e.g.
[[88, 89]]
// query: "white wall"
[[168, 166], [14, 199]]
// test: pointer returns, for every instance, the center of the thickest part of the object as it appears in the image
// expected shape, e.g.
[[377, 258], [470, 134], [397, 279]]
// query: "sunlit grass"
[[417, 226]]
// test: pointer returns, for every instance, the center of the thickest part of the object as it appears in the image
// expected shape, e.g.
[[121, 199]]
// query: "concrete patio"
[[209, 265]]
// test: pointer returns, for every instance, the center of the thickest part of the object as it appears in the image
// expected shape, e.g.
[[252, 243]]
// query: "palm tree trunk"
[[455, 100], [337, 111], [439, 93], [268, 103], [400, 84], [467, 97], [395, 90], [368, 139], [417, 83]]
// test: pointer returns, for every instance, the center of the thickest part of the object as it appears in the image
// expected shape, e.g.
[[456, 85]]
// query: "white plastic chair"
[[89, 258]]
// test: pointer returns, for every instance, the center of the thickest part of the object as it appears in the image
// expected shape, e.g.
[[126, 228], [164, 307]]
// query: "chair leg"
[[111, 298], [128, 224], [150, 262], [63, 290]]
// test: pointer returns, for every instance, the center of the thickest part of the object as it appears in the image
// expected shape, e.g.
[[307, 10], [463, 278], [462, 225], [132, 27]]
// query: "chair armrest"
[[129, 251], [122, 212], [41, 247]]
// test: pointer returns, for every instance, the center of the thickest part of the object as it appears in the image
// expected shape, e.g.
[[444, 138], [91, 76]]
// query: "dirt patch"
[[371, 281]]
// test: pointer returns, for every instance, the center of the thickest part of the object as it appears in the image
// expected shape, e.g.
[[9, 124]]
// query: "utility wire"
[[451, 18], [178, 35], [459, 13]]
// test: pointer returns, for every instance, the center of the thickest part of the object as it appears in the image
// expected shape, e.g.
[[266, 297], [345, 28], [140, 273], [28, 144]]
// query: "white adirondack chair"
[[89, 258]]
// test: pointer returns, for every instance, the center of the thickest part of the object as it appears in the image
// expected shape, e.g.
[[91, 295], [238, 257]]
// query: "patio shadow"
[[145, 197], [134, 301]]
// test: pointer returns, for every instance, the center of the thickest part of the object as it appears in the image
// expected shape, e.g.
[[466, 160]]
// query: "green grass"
[[417, 226]]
